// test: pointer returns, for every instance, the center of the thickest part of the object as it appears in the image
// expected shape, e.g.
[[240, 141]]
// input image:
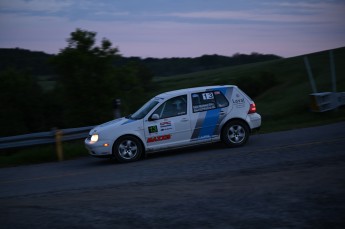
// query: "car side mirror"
[[154, 117]]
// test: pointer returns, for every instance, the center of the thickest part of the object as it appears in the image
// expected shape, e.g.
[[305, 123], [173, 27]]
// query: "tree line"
[[87, 78], [38, 63], [87, 82]]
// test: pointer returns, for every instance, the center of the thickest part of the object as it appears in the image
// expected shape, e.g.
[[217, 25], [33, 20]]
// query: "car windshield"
[[144, 110]]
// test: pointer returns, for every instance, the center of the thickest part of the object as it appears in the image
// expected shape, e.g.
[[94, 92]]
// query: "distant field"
[[286, 105]]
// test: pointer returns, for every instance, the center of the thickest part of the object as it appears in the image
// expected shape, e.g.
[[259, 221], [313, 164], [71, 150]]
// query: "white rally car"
[[176, 119]]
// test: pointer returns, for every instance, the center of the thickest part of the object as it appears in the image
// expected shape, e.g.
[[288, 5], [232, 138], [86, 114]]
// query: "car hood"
[[111, 124]]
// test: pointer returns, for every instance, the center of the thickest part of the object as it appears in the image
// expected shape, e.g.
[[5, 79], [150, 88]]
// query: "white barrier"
[[325, 101]]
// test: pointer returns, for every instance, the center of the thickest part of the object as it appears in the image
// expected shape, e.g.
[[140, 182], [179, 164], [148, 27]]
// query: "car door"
[[208, 110], [169, 125]]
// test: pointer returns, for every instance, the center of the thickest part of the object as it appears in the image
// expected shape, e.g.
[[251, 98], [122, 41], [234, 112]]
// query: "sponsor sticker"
[[204, 107], [159, 138], [166, 126], [153, 129], [238, 102]]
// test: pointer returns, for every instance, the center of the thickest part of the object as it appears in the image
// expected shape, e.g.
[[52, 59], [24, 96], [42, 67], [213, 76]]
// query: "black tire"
[[235, 133], [127, 149]]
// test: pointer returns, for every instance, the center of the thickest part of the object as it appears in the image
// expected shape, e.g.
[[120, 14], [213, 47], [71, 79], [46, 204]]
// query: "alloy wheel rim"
[[236, 134], [128, 149]]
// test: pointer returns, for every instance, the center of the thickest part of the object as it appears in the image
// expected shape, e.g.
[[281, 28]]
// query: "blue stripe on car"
[[209, 123]]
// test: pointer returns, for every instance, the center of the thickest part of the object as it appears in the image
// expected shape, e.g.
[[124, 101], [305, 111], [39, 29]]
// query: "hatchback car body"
[[177, 119]]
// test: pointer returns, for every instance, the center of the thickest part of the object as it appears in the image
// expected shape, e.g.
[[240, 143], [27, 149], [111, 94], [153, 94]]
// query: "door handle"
[[184, 120]]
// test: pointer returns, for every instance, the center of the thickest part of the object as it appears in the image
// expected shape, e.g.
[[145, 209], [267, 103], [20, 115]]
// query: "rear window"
[[209, 100]]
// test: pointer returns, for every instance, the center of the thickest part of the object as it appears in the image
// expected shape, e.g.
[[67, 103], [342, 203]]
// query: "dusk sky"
[[177, 28]]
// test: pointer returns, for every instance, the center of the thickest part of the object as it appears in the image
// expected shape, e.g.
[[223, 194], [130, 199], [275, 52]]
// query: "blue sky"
[[178, 28]]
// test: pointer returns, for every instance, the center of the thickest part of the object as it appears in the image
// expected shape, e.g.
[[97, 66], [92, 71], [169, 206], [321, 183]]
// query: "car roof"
[[192, 90]]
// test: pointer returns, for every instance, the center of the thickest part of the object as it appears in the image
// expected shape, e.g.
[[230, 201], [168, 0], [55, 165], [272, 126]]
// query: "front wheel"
[[235, 133], [127, 149]]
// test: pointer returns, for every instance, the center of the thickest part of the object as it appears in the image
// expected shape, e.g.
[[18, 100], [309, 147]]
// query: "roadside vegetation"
[[80, 88]]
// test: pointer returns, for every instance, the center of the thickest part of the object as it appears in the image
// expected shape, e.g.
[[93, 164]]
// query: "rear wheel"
[[127, 149], [235, 133]]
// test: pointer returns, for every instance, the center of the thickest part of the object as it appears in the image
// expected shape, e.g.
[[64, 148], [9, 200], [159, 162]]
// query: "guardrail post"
[[58, 143]]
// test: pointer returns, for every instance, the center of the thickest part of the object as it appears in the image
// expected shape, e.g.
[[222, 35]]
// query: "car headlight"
[[94, 138]]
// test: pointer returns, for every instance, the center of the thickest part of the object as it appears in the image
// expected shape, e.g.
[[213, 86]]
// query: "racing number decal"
[[207, 96]]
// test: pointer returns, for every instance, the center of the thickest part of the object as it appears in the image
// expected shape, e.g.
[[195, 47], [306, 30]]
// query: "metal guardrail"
[[42, 138], [56, 136]]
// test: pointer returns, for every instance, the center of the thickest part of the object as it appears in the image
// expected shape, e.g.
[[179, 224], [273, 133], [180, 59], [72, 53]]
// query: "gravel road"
[[290, 179]]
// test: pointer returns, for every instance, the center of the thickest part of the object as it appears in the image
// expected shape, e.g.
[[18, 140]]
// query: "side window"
[[203, 101], [208, 100], [173, 107], [221, 100]]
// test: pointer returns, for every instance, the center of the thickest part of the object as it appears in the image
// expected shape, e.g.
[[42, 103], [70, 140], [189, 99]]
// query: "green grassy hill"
[[284, 104]]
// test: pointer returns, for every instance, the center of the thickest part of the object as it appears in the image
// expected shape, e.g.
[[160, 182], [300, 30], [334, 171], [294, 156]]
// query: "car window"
[[209, 100], [173, 107], [220, 99], [145, 109]]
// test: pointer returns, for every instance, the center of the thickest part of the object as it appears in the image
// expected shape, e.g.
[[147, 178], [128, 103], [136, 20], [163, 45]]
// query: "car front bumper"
[[98, 149]]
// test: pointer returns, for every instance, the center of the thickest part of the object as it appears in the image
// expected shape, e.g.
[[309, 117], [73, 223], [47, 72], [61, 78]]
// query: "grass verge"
[[41, 154]]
